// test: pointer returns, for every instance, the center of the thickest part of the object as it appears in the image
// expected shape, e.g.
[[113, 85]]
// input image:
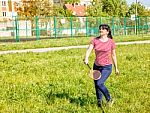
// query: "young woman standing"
[[105, 56]]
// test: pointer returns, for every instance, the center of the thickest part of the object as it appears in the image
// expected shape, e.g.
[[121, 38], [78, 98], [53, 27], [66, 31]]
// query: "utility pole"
[[136, 16]]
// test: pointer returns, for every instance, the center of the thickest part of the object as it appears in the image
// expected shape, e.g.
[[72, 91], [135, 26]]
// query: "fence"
[[35, 28]]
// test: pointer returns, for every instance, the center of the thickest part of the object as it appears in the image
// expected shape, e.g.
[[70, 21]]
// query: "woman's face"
[[103, 32]]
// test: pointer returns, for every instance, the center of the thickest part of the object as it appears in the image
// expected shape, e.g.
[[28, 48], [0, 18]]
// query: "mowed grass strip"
[[59, 42], [57, 82]]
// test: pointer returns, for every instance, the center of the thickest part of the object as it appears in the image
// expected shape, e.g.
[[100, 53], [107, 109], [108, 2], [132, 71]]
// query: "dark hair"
[[105, 26]]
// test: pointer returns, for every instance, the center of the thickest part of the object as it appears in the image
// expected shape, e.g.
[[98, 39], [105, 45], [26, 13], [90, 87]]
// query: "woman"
[[104, 47]]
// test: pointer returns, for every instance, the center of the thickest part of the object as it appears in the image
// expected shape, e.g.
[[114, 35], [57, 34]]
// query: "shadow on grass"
[[21, 39], [35, 39], [78, 100]]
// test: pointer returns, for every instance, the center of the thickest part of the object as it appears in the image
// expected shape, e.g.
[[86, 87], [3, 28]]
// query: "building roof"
[[78, 10]]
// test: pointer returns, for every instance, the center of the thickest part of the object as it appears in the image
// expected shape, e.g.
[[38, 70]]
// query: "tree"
[[141, 10], [115, 7], [147, 12], [71, 1], [107, 8], [60, 11], [123, 8], [95, 9], [35, 8]]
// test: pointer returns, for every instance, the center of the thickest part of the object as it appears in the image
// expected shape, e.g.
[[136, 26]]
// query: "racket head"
[[95, 74]]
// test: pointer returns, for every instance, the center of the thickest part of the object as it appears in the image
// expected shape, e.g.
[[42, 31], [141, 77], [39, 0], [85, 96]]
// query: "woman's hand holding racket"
[[86, 61], [94, 74]]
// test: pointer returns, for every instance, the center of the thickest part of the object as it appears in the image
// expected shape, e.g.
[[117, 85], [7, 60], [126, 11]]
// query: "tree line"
[[118, 8]]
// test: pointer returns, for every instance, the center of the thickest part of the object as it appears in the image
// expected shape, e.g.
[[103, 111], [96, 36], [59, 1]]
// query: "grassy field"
[[64, 42], [57, 82]]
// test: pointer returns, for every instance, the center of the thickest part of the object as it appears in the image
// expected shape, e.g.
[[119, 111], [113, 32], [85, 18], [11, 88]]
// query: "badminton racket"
[[94, 74]]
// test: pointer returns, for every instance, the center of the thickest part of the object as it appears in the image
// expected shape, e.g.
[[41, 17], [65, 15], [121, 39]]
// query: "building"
[[77, 9], [85, 2], [8, 9]]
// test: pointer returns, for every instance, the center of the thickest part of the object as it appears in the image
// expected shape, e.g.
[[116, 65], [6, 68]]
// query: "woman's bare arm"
[[114, 58], [88, 52]]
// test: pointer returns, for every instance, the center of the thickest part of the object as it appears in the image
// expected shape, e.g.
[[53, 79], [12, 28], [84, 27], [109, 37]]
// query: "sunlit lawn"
[[64, 42], [57, 82]]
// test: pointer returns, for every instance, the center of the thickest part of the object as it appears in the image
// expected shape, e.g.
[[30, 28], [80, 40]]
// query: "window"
[[4, 13], [3, 3]]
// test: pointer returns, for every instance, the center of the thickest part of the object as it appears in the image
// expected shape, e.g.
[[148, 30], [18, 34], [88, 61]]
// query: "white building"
[[8, 9], [85, 2]]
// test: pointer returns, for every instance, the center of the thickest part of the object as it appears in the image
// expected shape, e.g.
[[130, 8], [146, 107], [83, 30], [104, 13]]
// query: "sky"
[[146, 3]]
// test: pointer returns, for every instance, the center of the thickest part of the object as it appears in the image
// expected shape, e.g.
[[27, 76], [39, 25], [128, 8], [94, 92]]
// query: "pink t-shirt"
[[103, 51]]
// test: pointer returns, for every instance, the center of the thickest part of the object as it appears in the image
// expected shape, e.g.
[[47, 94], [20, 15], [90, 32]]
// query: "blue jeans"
[[99, 84]]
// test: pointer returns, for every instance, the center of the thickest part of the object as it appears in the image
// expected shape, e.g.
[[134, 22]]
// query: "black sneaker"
[[99, 103]]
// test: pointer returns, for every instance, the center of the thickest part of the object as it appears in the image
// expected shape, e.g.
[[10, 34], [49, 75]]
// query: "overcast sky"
[[144, 2]]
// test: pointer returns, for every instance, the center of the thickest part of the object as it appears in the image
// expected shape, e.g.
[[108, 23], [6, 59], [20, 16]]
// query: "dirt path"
[[64, 48]]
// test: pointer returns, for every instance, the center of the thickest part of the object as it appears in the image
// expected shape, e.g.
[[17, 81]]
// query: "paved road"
[[64, 48]]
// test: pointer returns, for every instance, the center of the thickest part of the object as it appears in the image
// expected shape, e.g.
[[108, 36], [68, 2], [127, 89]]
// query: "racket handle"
[[88, 66]]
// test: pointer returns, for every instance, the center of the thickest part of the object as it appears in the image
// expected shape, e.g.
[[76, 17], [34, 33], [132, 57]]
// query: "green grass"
[[57, 82], [64, 42]]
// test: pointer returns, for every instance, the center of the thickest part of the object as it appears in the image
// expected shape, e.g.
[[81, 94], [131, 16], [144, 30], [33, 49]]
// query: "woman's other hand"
[[116, 71]]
